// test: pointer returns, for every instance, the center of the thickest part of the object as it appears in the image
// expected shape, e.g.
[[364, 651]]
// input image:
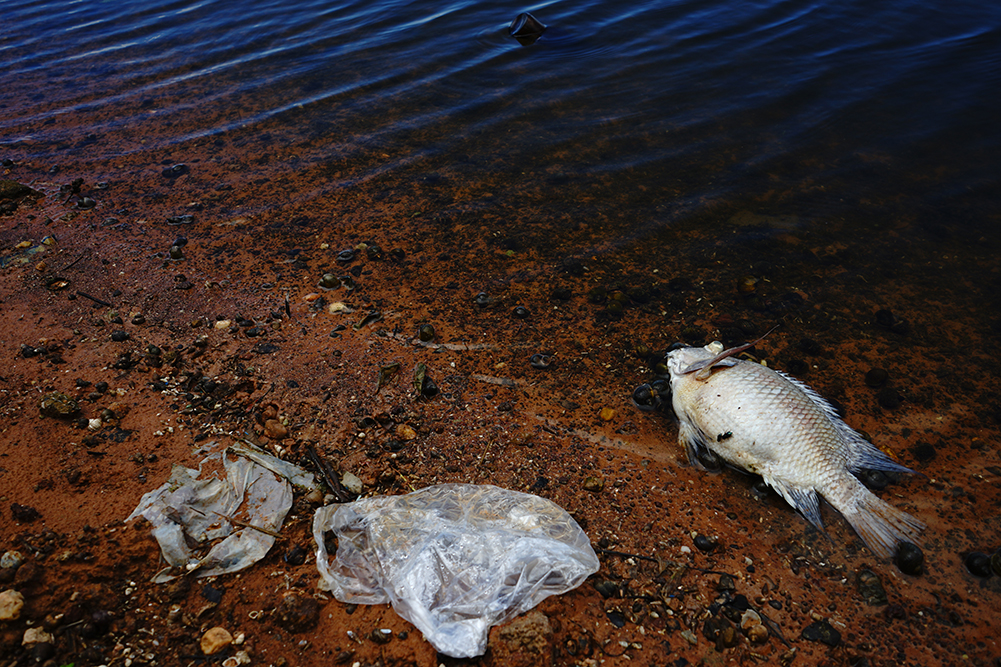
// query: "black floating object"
[[175, 171], [526, 29]]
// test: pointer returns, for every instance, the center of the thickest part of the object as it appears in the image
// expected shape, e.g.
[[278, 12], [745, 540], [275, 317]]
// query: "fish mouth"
[[680, 356]]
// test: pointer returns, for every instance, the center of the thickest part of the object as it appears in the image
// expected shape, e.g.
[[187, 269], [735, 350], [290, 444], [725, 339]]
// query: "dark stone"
[[884, 317], [923, 452], [821, 631], [978, 564], [713, 626], [871, 588], [296, 555], [526, 29], [212, 594], [297, 612], [608, 589], [175, 171], [706, 543], [875, 480], [42, 651], [910, 559], [119, 336], [27, 514], [876, 378]]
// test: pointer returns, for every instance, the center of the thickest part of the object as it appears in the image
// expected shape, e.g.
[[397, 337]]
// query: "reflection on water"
[[647, 116]]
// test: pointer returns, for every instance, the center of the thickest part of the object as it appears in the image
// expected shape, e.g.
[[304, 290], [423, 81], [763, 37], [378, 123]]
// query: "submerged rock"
[[57, 405]]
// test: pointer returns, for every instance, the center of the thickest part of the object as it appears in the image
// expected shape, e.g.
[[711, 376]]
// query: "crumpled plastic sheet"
[[453, 559], [188, 510]]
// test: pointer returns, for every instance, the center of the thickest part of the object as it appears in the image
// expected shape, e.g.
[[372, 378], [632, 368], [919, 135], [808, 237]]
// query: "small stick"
[[244, 524], [82, 255], [95, 299], [328, 475]]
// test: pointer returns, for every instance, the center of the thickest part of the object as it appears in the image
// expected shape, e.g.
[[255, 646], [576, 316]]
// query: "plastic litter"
[[453, 559], [234, 519]]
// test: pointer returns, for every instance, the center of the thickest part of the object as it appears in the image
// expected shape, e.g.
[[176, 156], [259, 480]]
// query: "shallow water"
[[656, 112]]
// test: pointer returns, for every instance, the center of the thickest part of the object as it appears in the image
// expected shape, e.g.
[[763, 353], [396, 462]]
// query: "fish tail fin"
[[881, 525]]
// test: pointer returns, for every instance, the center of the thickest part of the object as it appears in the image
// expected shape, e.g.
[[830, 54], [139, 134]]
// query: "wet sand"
[[241, 306]]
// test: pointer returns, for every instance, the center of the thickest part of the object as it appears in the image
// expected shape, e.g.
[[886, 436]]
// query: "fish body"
[[773, 425]]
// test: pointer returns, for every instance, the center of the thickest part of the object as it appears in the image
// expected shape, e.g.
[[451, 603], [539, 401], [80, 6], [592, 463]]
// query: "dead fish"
[[773, 425]]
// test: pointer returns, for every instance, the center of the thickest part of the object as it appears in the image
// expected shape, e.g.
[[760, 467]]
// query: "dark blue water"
[[654, 111]]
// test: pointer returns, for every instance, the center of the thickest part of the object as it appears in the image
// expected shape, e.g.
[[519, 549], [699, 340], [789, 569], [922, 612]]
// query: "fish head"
[[681, 359]]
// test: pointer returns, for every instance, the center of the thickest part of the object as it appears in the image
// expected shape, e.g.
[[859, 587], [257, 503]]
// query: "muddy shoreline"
[[248, 345]]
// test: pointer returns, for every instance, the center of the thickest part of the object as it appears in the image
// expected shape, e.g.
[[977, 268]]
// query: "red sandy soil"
[[657, 600]]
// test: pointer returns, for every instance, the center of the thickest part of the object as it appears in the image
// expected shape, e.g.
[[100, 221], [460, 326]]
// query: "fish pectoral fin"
[[802, 500], [699, 455], [706, 366]]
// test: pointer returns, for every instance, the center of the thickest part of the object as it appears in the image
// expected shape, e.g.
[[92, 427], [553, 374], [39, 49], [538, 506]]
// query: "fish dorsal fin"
[[722, 359]]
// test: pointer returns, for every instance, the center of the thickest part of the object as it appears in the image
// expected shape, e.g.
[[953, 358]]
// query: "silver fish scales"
[[773, 425]]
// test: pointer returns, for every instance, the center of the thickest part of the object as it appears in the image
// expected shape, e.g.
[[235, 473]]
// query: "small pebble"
[[978, 564], [540, 361], [822, 631], [175, 171], [871, 588], [426, 333], [352, 484], [910, 559], [36, 636], [607, 589], [11, 560], [275, 430], [215, 640], [876, 378], [297, 612], [705, 543], [11, 604]]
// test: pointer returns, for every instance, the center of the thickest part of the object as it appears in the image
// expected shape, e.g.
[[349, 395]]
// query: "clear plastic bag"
[[231, 521], [453, 559]]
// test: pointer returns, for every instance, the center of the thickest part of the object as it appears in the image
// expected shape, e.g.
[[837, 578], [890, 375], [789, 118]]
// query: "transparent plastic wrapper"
[[232, 521], [453, 559]]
